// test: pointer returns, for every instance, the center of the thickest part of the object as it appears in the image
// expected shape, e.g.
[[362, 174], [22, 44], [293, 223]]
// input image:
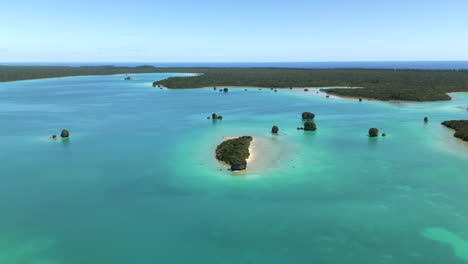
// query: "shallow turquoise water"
[[137, 181]]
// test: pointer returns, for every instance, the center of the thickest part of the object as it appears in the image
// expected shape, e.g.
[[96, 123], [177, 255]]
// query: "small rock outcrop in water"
[[274, 130], [128, 78], [310, 126], [214, 116], [460, 127], [360, 99], [426, 119], [384, 135], [65, 133], [306, 90], [234, 152], [53, 137], [373, 132], [225, 90], [308, 115]]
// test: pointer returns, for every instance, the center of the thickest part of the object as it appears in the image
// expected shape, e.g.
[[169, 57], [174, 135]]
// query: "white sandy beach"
[[262, 156]]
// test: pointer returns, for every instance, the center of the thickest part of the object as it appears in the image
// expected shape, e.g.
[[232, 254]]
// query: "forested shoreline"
[[380, 84]]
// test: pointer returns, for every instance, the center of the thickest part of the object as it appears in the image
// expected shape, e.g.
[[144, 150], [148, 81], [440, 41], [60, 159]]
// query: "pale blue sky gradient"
[[234, 31]]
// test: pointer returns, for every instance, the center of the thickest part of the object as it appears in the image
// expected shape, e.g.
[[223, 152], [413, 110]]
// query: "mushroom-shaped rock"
[[239, 166], [310, 126], [274, 130], [225, 90], [426, 119], [308, 115], [65, 133], [214, 116], [373, 132]]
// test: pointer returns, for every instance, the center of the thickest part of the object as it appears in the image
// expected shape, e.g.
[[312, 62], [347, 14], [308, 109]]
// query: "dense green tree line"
[[410, 85]]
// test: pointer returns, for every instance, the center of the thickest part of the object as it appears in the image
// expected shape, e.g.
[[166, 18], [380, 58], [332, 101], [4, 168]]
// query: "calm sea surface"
[[137, 181]]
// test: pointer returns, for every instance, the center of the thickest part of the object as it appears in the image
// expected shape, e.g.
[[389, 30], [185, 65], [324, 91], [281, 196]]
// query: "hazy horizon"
[[414, 65]]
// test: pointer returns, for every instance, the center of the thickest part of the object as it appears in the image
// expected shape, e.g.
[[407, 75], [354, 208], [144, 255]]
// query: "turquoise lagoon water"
[[137, 181]]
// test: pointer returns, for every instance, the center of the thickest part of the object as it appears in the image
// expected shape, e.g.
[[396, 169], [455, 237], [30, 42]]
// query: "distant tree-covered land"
[[17, 73], [381, 84], [405, 85], [460, 127]]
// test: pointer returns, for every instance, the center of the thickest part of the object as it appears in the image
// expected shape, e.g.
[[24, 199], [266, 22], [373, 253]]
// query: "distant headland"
[[460, 127]]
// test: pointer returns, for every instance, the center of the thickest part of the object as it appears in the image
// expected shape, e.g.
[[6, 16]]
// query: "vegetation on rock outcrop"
[[308, 115], [310, 126], [373, 132], [275, 130]]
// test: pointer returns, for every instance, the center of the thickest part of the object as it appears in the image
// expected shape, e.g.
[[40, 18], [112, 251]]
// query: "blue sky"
[[232, 31]]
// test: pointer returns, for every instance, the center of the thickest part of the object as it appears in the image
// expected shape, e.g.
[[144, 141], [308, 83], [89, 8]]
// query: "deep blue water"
[[432, 65]]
